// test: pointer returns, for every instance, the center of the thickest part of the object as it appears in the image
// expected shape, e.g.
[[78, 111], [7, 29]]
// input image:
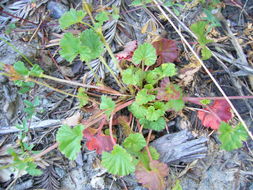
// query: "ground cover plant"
[[147, 90]]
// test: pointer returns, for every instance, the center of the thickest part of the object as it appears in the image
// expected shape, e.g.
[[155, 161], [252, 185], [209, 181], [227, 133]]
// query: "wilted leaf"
[[187, 73], [98, 142], [128, 51], [73, 120], [154, 179], [220, 109], [118, 162], [231, 137], [166, 50]]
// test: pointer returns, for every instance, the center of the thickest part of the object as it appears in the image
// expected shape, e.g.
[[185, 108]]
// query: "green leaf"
[[167, 70], [107, 104], [161, 106], [153, 76], [199, 29], [82, 97], [134, 142], [144, 158], [32, 169], [71, 17], [177, 186], [143, 97], [137, 110], [154, 114], [157, 125], [118, 162], [91, 45], [175, 105], [69, 140], [36, 71], [133, 76], [21, 69], [102, 17], [231, 138], [146, 53], [205, 101], [206, 53], [70, 47]]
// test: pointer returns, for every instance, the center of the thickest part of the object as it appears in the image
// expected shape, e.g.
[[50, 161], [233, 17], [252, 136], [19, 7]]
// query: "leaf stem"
[[112, 73], [197, 99], [110, 129]]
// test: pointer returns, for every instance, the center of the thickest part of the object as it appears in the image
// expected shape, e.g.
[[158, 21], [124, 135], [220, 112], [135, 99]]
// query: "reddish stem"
[[147, 149], [110, 129], [45, 151], [197, 99], [17, 17]]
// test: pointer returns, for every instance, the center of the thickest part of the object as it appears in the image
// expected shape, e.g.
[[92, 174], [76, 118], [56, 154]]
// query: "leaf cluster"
[[147, 107], [122, 160]]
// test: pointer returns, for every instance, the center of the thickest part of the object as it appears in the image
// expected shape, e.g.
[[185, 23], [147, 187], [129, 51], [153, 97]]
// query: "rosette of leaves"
[[152, 100]]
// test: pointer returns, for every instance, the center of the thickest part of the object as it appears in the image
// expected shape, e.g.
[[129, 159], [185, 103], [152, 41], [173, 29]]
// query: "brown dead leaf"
[[186, 74], [73, 120]]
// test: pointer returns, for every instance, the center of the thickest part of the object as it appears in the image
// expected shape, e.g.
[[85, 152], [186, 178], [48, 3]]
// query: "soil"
[[219, 170]]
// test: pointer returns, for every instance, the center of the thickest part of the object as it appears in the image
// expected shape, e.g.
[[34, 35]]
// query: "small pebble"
[[56, 9]]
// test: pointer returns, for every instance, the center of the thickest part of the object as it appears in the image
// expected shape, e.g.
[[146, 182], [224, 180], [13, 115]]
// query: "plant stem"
[[146, 147], [48, 86], [54, 146], [80, 84], [112, 73], [197, 99], [110, 129]]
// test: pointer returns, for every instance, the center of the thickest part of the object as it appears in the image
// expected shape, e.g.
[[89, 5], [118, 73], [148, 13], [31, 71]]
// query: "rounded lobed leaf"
[[70, 46], [146, 53], [231, 138], [157, 125], [91, 45], [108, 104], [69, 140], [118, 162], [71, 17], [134, 142]]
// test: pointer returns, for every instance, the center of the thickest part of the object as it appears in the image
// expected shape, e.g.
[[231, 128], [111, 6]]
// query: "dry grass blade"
[[48, 180], [202, 63]]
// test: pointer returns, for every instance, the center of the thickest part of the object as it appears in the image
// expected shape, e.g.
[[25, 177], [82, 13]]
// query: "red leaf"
[[166, 51], [168, 91], [154, 179], [98, 142], [128, 51], [219, 111]]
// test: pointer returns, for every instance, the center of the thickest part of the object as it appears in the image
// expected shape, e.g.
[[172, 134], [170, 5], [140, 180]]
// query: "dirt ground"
[[219, 170]]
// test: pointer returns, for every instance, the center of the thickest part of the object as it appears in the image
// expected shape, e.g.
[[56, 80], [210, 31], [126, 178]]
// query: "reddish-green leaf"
[[219, 111], [168, 91], [128, 51], [166, 50], [98, 142], [154, 179]]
